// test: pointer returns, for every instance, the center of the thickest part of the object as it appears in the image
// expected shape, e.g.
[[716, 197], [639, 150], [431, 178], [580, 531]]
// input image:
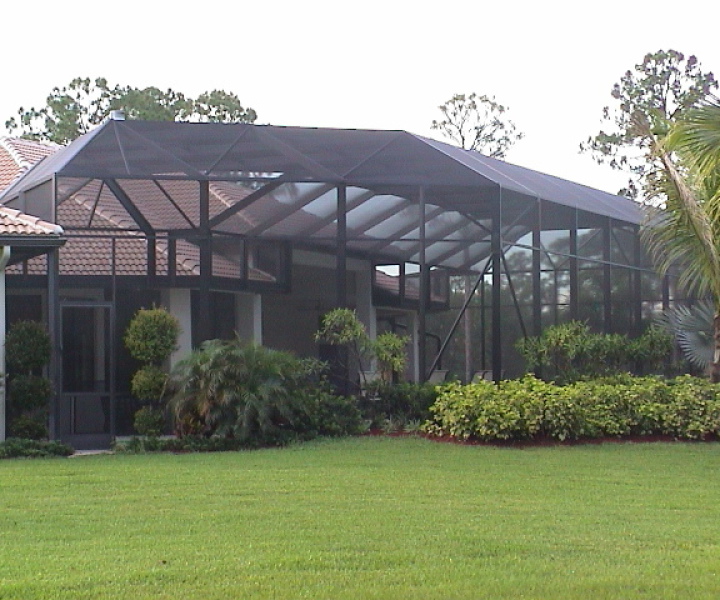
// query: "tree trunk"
[[715, 367]]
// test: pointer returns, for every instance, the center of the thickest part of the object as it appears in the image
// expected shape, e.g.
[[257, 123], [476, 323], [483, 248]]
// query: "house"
[[260, 230]]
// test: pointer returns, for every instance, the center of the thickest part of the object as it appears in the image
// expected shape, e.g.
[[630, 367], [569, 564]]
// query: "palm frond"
[[697, 136], [683, 233], [692, 327]]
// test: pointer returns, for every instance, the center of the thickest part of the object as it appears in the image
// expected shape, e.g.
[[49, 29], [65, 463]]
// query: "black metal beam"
[[496, 249], [456, 322], [383, 216], [637, 283], [398, 234], [245, 202], [341, 256], [514, 297], [53, 320], [204, 329], [320, 225], [318, 170], [130, 206], [438, 235], [288, 210], [423, 291], [536, 276], [170, 199], [574, 276], [607, 279]]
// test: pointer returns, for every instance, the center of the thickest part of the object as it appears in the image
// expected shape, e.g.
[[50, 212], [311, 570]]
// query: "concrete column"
[[364, 306], [248, 317], [178, 302], [414, 353]]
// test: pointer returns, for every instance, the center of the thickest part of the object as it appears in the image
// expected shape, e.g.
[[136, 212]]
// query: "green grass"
[[366, 518]]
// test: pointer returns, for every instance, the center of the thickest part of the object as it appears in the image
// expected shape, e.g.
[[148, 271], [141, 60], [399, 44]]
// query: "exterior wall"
[[178, 304], [248, 317], [289, 321]]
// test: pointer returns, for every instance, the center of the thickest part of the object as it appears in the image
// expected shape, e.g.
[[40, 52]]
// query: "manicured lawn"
[[366, 518]]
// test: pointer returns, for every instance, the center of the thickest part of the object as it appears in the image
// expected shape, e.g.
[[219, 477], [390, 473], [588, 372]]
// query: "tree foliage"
[[684, 233], [662, 87], [477, 123], [75, 108]]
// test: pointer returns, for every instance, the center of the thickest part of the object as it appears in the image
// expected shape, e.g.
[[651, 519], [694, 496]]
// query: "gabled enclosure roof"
[[384, 162]]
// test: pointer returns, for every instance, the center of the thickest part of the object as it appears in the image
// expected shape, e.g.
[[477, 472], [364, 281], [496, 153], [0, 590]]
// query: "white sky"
[[373, 64]]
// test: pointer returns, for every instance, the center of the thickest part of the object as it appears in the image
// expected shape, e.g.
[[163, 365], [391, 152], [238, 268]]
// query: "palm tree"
[[240, 390], [685, 232]]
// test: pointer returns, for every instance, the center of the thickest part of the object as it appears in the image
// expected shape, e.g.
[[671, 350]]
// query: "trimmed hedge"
[[685, 407], [402, 403], [21, 448]]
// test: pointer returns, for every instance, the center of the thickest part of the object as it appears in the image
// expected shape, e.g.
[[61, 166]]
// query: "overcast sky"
[[375, 64]]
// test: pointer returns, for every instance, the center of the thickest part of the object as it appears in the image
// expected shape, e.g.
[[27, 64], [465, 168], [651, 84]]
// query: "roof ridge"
[[13, 153], [34, 223]]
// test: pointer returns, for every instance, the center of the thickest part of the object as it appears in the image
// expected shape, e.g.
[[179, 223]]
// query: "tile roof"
[[13, 222], [18, 155]]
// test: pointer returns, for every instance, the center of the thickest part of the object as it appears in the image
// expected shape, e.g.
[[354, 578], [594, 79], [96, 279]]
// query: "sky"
[[376, 64]]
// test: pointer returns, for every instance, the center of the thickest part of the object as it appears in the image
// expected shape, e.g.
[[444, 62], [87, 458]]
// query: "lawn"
[[366, 518]]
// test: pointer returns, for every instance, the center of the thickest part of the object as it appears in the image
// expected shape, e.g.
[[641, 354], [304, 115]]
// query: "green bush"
[[190, 443], [28, 393], [342, 327], [148, 383], [257, 395], [152, 335], [685, 407], [401, 402], [29, 426], [28, 350], [149, 421], [27, 347], [569, 352], [19, 448], [331, 415], [693, 411]]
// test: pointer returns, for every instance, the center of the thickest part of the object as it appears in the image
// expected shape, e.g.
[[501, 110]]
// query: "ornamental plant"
[[27, 347], [151, 337], [685, 407], [568, 352], [341, 327]]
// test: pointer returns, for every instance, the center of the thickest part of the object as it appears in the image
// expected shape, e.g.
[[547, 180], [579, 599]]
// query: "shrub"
[[17, 448], [401, 402], [28, 393], [257, 395], [569, 352], [188, 443], [149, 421], [693, 410], [27, 347], [29, 427], [28, 350], [685, 407], [332, 415], [148, 383], [152, 335], [341, 327], [389, 350]]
